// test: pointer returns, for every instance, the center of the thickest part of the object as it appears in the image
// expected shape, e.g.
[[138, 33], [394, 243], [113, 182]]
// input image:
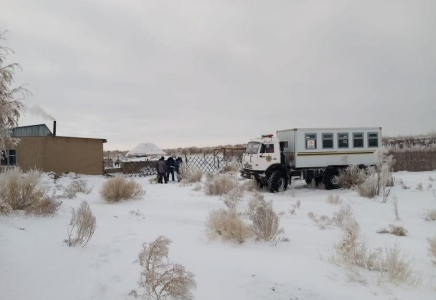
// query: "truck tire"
[[277, 182], [331, 179]]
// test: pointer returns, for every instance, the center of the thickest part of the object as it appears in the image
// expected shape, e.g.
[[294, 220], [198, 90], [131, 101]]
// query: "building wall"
[[61, 154]]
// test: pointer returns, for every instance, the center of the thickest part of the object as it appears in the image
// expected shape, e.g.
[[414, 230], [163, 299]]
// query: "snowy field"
[[36, 264]]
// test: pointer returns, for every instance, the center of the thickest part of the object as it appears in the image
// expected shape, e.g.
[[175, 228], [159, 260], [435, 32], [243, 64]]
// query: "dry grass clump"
[[341, 217], [395, 208], [351, 177], [82, 226], [233, 197], [431, 215], [160, 278], [120, 188], [419, 187], [397, 230], [323, 221], [229, 225], [232, 166], [370, 187], [431, 179], [220, 184], [265, 222], [334, 199], [77, 186], [396, 267], [250, 185], [403, 185], [256, 199], [190, 174], [24, 191], [197, 187], [432, 248]]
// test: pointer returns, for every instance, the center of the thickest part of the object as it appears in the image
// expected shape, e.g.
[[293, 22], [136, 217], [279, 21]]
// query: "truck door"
[[250, 156]]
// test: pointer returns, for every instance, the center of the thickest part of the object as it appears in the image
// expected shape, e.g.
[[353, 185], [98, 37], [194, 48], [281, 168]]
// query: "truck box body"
[[322, 147]]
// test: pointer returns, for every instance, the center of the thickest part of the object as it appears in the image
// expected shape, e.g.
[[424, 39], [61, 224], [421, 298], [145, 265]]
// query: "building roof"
[[31, 130]]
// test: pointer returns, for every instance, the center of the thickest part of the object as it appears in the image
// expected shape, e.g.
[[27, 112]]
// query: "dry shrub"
[[190, 174], [5, 208], [220, 184], [265, 222], [419, 187], [395, 208], [351, 177], [229, 225], [429, 187], [396, 267], [45, 207], [323, 222], [232, 198], [432, 248], [397, 230], [334, 199], [431, 215], [24, 191], [431, 179], [256, 199], [160, 278], [77, 186], [82, 226], [341, 217], [119, 188], [232, 166]]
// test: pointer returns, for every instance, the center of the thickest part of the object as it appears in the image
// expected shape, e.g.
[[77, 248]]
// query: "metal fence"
[[208, 164]]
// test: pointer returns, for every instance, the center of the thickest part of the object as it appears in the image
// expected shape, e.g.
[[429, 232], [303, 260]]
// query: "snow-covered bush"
[[322, 221], [120, 188], [160, 278], [232, 166], [229, 225], [24, 191], [265, 222], [220, 184], [256, 200], [371, 186], [432, 248], [334, 199], [431, 215], [82, 226], [232, 198], [396, 267], [351, 177], [190, 174], [397, 230], [341, 217], [77, 186]]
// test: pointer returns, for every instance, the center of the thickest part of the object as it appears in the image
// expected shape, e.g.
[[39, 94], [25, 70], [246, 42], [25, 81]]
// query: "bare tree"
[[10, 104]]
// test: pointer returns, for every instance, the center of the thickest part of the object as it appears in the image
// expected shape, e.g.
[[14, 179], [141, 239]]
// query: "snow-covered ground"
[[36, 264]]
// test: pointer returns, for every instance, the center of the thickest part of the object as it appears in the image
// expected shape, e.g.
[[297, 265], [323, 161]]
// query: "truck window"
[[269, 148], [342, 140], [358, 140], [373, 139], [327, 140], [310, 140], [252, 147]]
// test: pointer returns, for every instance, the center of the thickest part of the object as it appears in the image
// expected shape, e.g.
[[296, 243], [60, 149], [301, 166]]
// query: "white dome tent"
[[145, 150]]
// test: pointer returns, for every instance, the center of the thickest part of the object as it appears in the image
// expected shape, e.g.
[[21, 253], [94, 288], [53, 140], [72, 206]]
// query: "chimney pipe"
[[54, 128]]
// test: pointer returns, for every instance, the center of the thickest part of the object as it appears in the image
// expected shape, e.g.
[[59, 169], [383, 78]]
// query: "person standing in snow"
[[177, 165], [162, 170], [171, 166]]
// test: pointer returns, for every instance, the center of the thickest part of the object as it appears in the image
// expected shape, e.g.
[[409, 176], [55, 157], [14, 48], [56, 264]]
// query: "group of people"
[[165, 168]]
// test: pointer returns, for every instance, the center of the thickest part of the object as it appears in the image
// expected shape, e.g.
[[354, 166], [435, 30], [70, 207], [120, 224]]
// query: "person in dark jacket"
[[162, 170], [171, 164], [178, 165]]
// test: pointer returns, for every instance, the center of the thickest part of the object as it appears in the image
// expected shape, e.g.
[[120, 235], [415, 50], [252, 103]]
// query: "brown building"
[[41, 149]]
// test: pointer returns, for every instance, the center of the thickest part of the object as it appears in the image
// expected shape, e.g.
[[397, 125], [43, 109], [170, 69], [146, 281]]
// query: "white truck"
[[309, 154]]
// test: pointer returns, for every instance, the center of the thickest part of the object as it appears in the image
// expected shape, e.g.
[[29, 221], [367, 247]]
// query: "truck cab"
[[262, 158]]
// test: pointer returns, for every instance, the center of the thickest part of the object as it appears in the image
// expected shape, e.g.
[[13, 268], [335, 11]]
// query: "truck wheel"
[[331, 179], [277, 182], [308, 181]]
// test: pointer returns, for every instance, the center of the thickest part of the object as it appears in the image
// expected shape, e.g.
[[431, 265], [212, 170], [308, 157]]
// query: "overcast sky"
[[204, 73]]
